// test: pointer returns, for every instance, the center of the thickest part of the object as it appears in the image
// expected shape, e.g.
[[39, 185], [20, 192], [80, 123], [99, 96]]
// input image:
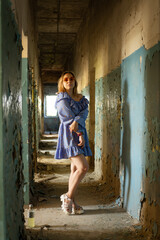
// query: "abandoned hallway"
[[103, 218], [113, 47]]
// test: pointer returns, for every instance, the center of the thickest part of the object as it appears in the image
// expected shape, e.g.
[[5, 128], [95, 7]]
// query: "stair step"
[[51, 136], [46, 153], [47, 145]]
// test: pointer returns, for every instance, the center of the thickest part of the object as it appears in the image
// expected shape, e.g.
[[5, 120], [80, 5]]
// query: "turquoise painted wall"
[[140, 146], [11, 165], [133, 109], [99, 121], [86, 92], [127, 130]]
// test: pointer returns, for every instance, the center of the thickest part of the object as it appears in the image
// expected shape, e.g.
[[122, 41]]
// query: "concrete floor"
[[103, 218]]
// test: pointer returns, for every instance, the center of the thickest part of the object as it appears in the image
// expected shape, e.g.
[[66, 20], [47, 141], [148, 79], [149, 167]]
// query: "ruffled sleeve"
[[60, 96], [62, 104], [82, 116]]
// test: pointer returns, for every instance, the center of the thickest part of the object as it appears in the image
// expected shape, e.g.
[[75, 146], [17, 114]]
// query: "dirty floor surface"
[[102, 219]]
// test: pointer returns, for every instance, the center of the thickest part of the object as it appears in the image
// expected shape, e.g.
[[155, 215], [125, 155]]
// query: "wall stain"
[[107, 128]]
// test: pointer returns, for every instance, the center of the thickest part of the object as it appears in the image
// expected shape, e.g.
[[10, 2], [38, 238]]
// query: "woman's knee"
[[83, 169], [80, 164]]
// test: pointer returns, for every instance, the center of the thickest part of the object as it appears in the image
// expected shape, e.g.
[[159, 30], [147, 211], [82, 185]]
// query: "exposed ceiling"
[[58, 22]]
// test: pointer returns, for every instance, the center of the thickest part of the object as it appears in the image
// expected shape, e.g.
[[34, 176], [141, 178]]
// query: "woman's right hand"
[[74, 126], [81, 141]]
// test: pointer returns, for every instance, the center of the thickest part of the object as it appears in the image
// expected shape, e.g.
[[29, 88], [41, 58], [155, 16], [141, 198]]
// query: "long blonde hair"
[[60, 83]]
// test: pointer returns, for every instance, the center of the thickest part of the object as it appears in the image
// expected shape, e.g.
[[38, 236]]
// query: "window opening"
[[50, 110]]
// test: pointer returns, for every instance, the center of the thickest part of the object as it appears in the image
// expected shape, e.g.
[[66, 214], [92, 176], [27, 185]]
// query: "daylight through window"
[[50, 110]]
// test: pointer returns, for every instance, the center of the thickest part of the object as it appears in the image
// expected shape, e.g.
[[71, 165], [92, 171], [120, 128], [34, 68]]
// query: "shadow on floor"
[[57, 234]]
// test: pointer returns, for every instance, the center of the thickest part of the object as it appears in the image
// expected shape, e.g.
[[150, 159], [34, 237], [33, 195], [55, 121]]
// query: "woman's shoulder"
[[62, 95], [78, 98]]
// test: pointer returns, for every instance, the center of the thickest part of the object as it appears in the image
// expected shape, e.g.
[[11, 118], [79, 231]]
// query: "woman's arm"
[[79, 120], [67, 116], [81, 117], [64, 111]]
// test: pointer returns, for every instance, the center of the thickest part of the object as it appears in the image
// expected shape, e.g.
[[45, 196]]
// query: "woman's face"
[[68, 81]]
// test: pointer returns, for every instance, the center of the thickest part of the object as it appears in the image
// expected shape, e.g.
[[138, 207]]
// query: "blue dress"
[[70, 110]]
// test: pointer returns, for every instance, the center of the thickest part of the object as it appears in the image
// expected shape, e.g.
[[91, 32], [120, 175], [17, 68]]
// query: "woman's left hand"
[[74, 127], [81, 141]]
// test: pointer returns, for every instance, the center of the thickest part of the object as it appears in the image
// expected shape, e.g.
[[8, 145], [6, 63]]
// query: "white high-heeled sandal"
[[66, 204], [76, 209]]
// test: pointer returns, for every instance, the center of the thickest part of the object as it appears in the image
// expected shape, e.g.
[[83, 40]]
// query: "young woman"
[[72, 137]]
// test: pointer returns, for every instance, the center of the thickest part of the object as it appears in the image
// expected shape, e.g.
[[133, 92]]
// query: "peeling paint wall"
[[19, 75], [119, 40], [25, 18], [31, 87], [112, 101], [99, 128], [150, 203], [25, 121], [140, 176], [34, 88], [25, 115], [107, 128], [11, 115]]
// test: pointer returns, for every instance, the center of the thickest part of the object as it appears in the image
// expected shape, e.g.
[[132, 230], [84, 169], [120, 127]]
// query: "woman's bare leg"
[[73, 169], [79, 168]]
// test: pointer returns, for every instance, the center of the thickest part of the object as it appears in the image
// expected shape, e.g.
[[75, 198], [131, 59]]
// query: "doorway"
[[51, 120]]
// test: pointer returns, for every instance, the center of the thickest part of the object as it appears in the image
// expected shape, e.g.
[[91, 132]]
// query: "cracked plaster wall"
[[11, 121], [115, 39], [32, 87], [150, 201], [35, 79], [33, 96], [15, 17]]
